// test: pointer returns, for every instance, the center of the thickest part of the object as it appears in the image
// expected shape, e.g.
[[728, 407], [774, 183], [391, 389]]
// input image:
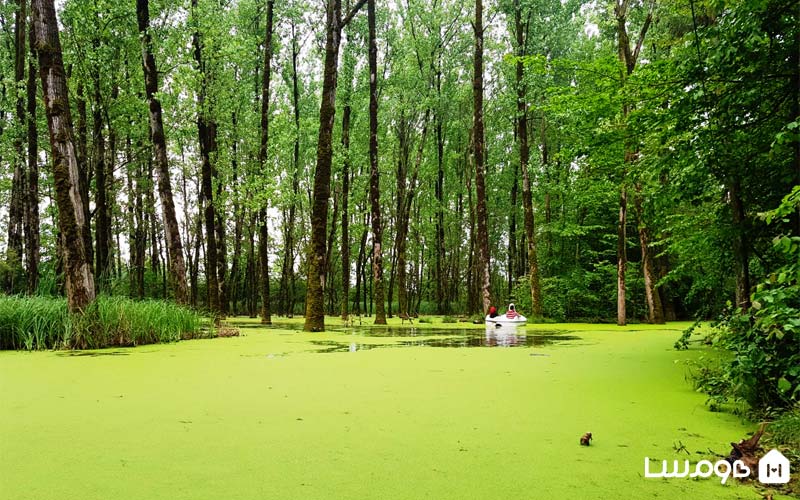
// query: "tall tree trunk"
[[512, 232], [266, 313], [666, 300], [111, 184], [404, 218], [524, 158], [177, 266], [359, 264], [401, 224], [138, 229], [103, 218], [287, 271], [439, 193], [349, 63], [85, 174], [329, 268], [130, 218], [233, 289], [315, 288], [628, 57], [222, 249], [654, 306], [251, 286], [207, 131], [741, 245], [16, 210], [481, 215], [473, 292], [66, 169], [622, 257], [345, 242], [374, 178], [32, 201]]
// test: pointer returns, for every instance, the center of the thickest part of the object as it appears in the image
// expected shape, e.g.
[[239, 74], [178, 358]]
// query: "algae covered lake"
[[278, 413]]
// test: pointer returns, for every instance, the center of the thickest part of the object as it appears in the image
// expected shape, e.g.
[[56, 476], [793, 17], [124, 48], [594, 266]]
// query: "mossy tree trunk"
[[315, 288], [66, 169], [102, 212], [177, 266], [266, 314], [478, 152], [374, 178], [207, 139], [32, 201], [348, 69], [16, 209], [524, 160]]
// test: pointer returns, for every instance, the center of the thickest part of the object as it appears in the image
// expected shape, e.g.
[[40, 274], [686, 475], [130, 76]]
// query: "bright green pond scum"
[[277, 413]]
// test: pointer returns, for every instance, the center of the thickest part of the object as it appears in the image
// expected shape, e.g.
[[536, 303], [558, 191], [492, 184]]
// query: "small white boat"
[[502, 320]]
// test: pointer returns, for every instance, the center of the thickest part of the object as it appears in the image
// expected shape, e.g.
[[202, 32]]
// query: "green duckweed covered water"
[[266, 415]]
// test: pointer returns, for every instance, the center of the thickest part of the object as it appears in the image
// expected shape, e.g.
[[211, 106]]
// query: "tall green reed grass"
[[44, 323]]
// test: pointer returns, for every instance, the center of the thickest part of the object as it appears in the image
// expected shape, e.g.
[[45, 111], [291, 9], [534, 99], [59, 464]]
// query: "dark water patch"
[[451, 338], [92, 354]]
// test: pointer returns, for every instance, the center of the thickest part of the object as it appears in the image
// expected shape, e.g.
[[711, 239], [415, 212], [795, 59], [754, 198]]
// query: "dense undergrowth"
[[44, 323], [763, 369], [758, 371]]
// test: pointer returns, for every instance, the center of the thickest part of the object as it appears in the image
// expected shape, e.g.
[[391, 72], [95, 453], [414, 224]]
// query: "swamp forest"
[[398, 248]]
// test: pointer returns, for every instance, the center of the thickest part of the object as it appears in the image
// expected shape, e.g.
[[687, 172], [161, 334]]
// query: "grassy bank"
[[34, 323], [267, 415]]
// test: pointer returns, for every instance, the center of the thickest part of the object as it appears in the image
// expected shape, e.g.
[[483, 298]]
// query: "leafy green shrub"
[[423, 319], [765, 340], [785, 430], [449, 319], [44, 323]]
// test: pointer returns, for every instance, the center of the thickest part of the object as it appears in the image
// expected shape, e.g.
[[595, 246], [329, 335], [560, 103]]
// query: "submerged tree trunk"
[[401, 223], [441, 272], [177, 268], [481, 215], [349, 64], [374, 182], [287, 272], [315, 288], [77, 270], [233, 289], [266, 313], [404, 218]]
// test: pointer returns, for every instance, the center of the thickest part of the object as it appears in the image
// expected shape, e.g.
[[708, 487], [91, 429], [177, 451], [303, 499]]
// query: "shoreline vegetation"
[[37, 323]]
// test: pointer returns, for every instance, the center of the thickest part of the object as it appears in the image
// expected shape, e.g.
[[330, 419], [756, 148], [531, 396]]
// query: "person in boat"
[[511, 313], [493, 312]]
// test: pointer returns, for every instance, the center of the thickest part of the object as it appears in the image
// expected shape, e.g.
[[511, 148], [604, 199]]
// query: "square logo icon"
[[773, 468]]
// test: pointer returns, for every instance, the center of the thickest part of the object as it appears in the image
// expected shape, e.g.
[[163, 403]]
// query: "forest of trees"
[[587, 160]]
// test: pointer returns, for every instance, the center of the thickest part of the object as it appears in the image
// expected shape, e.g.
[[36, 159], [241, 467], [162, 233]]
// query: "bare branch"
[[352, 13]]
